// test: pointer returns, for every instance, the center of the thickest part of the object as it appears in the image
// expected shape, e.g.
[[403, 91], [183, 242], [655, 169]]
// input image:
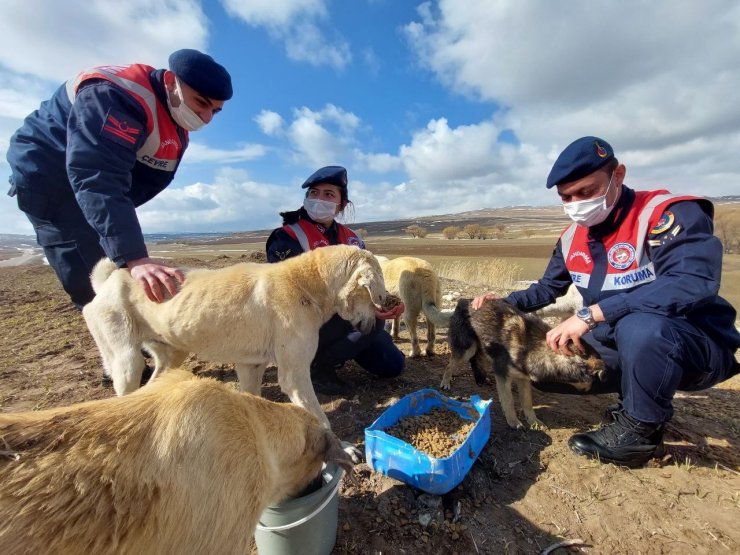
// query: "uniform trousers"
[[649, 357], [71, 246], [339, 342]]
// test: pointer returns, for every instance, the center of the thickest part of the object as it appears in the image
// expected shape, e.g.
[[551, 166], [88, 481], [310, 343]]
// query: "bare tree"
[[727, 229], [472, 230], [451, 232], [416, 231]]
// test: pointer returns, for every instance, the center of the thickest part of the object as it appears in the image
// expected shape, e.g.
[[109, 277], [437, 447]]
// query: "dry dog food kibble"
[[438, 433], [391, 302]]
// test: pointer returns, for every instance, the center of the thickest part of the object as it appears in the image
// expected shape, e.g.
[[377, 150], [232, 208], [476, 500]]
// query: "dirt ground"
[[525, 493]]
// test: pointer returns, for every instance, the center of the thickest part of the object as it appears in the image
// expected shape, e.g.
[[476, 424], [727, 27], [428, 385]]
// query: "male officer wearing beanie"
[[648, 267], [107, 141]]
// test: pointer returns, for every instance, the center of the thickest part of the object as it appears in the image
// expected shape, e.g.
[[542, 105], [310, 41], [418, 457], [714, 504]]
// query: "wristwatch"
[[587, 316]]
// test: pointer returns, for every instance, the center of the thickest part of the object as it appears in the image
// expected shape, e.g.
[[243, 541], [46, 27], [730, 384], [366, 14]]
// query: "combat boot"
[[325, 380], [624, 441]]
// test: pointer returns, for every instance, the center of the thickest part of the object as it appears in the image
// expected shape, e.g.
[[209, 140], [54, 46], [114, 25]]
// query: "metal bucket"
[[306, 525]]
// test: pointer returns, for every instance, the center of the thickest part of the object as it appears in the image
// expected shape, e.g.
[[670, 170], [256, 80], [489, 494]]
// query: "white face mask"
[[322, 211], [183, 115], [589, 212]]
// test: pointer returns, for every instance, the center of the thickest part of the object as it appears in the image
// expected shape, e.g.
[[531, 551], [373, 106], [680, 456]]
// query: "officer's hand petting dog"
[[153, 276], [565, 338]]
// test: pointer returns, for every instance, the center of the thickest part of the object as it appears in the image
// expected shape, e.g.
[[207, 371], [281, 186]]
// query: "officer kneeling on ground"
[[648, 267]]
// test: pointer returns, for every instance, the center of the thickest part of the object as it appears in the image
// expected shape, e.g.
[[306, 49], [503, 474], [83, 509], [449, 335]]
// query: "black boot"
[[625, 441], [326, 381], [611, 409]]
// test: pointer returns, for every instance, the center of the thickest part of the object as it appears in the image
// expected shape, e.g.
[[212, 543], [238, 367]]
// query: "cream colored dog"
[[185, 465], [249, 314], [415, 281]]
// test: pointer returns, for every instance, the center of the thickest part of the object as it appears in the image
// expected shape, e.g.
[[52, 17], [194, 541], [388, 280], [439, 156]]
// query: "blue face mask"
[[322, 211]]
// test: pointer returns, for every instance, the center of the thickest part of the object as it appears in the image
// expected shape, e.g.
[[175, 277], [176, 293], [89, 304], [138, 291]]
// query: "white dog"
[[250, 314], [415, 281]]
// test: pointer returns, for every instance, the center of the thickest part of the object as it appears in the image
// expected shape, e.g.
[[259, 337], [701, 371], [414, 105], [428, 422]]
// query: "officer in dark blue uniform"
[[648, 267], [314, 226], [106, 142]]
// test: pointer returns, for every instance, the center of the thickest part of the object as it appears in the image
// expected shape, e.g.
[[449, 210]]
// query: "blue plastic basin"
[[397, 459]]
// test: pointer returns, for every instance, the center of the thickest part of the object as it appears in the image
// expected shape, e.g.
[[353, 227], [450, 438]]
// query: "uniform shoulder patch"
[[121, 129], [664, 223]]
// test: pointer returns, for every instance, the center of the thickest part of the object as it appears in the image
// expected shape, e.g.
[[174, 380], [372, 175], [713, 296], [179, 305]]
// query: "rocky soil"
[[525, 493]]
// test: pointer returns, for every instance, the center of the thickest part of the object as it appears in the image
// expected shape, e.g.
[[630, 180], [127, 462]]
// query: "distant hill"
[[512, 217]]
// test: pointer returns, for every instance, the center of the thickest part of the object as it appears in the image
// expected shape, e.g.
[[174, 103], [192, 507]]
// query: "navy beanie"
[[580, 158], [202, 73], [333, 175]]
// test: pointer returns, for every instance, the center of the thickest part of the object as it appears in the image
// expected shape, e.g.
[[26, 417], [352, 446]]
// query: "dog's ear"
[[370, 276], [323, 442]]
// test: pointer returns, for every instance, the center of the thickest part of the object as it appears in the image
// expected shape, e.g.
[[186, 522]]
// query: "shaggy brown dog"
[[514, 343], [248, 314], [183, 465], [415, 281]]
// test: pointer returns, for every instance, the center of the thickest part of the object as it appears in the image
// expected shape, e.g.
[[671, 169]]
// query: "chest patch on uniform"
[[121, 129], [621, 256], [664, 223], [320, 243], [354, 242]]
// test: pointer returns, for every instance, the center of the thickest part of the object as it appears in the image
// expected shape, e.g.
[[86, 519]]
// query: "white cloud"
[[198, 152], [322, 137], [275, 13], [377, 163], [103, 32], [296, 23], [271, 123], [232, 202], [655, 79]]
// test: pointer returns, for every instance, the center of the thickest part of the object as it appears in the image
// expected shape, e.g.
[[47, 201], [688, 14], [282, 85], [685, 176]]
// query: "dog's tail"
[[438, 317], [101, 272]]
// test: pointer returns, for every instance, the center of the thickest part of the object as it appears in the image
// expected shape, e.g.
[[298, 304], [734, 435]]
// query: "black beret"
[[333, 175], [580, 158], [202, 73]]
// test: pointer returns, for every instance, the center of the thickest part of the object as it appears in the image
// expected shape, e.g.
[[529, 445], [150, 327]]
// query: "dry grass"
[[491, 273]]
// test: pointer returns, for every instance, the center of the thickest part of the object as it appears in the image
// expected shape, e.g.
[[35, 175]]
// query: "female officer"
[[313, 226]]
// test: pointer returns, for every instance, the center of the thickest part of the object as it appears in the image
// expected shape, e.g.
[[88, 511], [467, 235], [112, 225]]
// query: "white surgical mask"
[[183, 115], [322, 211], [589, 212]]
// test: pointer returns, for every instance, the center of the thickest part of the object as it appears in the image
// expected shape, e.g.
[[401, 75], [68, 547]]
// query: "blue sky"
[[433, 107]]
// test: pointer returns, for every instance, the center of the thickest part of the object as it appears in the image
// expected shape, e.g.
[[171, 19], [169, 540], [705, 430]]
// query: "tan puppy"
[[185, 465], [249, 314], [415, 281], [500, 335]]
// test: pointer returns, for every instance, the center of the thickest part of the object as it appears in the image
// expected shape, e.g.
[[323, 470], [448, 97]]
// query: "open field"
[[530, 255], [526, 491]]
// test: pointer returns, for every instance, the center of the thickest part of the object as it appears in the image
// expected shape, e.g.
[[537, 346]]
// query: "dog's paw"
[[445, 385], [515, 424], [354, 453], [536, 424]]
